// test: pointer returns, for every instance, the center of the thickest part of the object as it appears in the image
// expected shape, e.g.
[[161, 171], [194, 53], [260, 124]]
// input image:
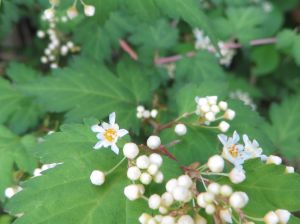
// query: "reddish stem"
[[125, 46]]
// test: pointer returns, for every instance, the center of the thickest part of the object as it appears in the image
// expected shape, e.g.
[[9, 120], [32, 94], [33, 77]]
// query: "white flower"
[[199, 219], [223, 126], [168, 220], [229, 114], [154, 113], [143, 162], [185, 219], [108, 134], [238, 200], [274, 160], [144, 218], [289, 169], [133, 173], [133, 192], [145, 178], [49, 13], [171, 185], [185, 181], [156, 159], [167, 199], [232, 151], [130, 150], [252, 148], [159, 177], [214, 188], [210, 209], [226, 190]]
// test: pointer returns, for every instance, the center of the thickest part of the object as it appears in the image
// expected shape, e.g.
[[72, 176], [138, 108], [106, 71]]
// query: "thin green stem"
[[203, 183], [116, 166], [254, 218], [215, 174]]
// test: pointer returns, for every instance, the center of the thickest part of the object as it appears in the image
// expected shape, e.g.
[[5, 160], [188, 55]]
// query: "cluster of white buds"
[[208, 108], [244, 97], [11, 191], [280, 216], [168, 219], [89, 10], [203, 42], [38, 171], [142, 113]]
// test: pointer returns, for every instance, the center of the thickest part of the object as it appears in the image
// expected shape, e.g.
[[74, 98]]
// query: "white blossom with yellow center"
[[108, 134]]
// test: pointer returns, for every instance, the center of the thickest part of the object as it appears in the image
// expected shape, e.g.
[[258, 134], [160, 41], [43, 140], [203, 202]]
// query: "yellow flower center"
[[234, 152], [110, 134]]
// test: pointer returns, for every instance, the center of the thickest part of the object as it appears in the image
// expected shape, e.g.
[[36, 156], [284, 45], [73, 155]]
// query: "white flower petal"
[[115, 126], [97, 128], [246, 139], [98, 145], [235, 137], [105, 125], [122, 132], [115, 149], [223, 139], [112, 118], [106, 143], [100, 136]]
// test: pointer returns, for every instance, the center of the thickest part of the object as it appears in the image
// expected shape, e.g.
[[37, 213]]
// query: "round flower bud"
[[89, 10], [215, 109], [163, 210], [130, 150], [226, 190], [208, 197], [289, 169], [271, 218], [180, 129], [229, 114], [237, 176], [171, 185], [199, 219], [210, 116], [274, 160], [223, 105], [205, 108], [143, 162], [181, 193], [158, 218], [153, 169], [156, 159], [141, 188], [133, 173], [153, 142], [223, 126], [238, 200], [40, 34], [144, 218], [214, 188], [225, 215], [167, 199], [154, 113], [210, 209], [44, 60], [185, 219], [97, 177], [201, 100], [184, 181], [9, 192], [140, 108], [152, 221], [145, 178], [146, 114], [154, 201], [49, 13], [64, 50], [159, 178], [283, 215], [132, 192], [216, 163], [168, 220], [200, 200]]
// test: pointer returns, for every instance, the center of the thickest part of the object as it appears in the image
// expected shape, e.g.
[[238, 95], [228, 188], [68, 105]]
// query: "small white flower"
[[274, 160], [144, 218], [108, 134], [181, 194], [49, 13], [12, 191], [223, 105], [185, 181], [167, 199], [154, 113], [283, 215], [153, 169], [156, 159], [145, 178], [208, 197], [143, 162], [146, 114], [180, 129], [89, 10], [210, 116], [70, 44], [153, 142], [216, 163], [154, 201], [133, 192], [271, 218], [200, 200], [44, 59], [40, 34], [171, 185], [97, 177], [54, 65], [252, 148], [64, 50], [289, 169], [229, 114], [237, 176], [214, 188], [72, 12]]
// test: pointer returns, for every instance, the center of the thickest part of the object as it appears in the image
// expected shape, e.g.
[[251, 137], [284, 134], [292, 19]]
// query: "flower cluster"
[[208, 108], [280, 216], [203, 42], [142, 113]]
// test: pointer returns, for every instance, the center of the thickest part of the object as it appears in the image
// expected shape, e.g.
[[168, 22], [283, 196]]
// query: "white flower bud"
[[238, 200], [145, 178], [130, 150], [133, 173], [201, 100], [154, 201], [153, 169], [215, 109], [199, 219], [139, 115], [53, 66], [64, 50], [237, 176], [184, 181], [205, 108], [168, 220], [156, 159], [152, 221], [37, 172], [70, 44], [180, 129], [171, 185], [143, 162], [208, 197], [158, 218], [210, 209], [229, 114], [283, 215], [97, 177], [214, 188], [274, 160], [223, 105], [9, 192], [163, 210], [132, 192], [216, 163], [146, 114], [154, 113], [44, 60], [226, 190], [185, 219], [167, 199], [200, 200], [181, 193], [140, 108], [64, 19], [153, 142], [159, 178], [40, 34], [212, 100], [144, 218], [225, 215], [223, 126], [271, 218], [49, 13], [210, 116], [89, 10], [289, 169]]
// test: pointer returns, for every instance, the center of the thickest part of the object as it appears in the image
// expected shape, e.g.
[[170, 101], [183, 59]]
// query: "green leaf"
[[284, 130], [20, 73], [5, 219], [144, 10], [269, 188], [89, 89], [285, 39], [14, 151]]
